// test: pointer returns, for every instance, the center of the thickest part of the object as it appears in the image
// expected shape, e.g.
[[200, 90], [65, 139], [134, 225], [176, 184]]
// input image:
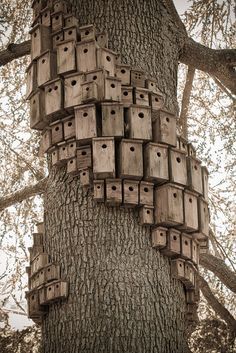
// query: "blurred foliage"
[[212, 129]]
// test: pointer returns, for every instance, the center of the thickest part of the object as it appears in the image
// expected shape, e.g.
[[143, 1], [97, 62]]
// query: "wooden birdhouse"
[[173, 247], [50, 292], [63, 152], [57, 19], [69, 127], [177, 167], [191, 150], [54, 98], [112, 89], [194, 174], [203, 245], [70, 20], [130, 192], [34, 308], [146, 193], [102, 39], [141, 96], [54, 155], [85, 123], [190, 296], [159, 237], [71, 33], [152, 85], [98, 76], [104, 157], [131, 159], [46, 141], [112, 119], [57, 38], [72, 166], [31, 79], [164, 128], [89, 92], [169, 205], [126, 96], [66, 61], [71, 148], [86, 55], [98, 190], [40, 40], [189, 274], [35, 250], [56, 132], [122, 72], [84, 157], [37, 112], [73, 92], [156, 101], [156, 163], [177, 269], [87, 33], [46, 67], [42, 276], [195, 252], [42, 296], [205, 176], [182, 144], [52, 272], [139, 122], [204, 217], [37, 6], [106, 60], [137, 78], [186, 246], [146, 217], [38, 239], [46, 17], [85, 177], [190, 212], [40, 261], [60, 6], [113, 192]]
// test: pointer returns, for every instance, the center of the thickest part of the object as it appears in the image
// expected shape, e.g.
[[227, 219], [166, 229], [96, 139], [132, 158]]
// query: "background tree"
[[209, 114]]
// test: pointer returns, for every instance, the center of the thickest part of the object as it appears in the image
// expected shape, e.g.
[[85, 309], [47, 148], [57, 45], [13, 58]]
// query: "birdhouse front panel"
[[73, 91], [53, 98], [34, 308], [46, 67], [60, 6], [102, 39], [85, 123], [57, 21], [190, 212], [31, 79], [186, 246], [131, 159], [137, 78], [146, 193], [146, 217], [104, 157], [57, 132], [156, 163], [66, 61], [182, 144], [189, 275], [194, 175], [204, 217], [139, 123], [98, 76], [87, 33], [178, 167], [85, 177], [106, 59], [46, 17], [159, 237], [37, 112], [112, 119], [84, 157], [89, 92], [71, 33], [173, 247], [130, 193], [156, 101], [46, 141], [52, 272], [141, 96], [195, 252], [40, 40], [152, 85], [177, 269], [113, 192], [191, 150], [57, 37], [122, 72], [40, 261], [169, 205], [126, 96], [164, 128], [61, 289], [70, 20], [98, 190], [112, 89], [72, 166], [205, 175], [69, 127], [63, 152], [86, 53]]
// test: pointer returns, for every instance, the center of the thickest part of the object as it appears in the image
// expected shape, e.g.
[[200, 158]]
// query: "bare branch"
[[216, 305], [23, 194], [14, 51], [183, 119], [220, 269]]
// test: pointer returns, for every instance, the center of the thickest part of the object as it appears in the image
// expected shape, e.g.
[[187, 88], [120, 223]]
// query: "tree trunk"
[[121, 294]]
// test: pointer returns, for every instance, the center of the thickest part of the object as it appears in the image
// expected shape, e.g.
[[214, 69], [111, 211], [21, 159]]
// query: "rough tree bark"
[[122, 297]]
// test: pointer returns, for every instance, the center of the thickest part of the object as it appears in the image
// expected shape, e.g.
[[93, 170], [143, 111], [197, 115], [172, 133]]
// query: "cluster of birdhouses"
[[44, 282], [106, 122]]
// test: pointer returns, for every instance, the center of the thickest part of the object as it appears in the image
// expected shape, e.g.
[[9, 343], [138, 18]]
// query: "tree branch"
[[14, 51], [183, 119], [216, 305], [220, 269], [23, 194]]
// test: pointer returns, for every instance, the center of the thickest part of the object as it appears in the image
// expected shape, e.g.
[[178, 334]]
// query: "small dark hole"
[[84, 153], [35, 35], [131, 188], [113, 187], [49, 269], [141, 115], [148, 212], [132, 149], [175, 237], [55, 88], [161, 234], [175, 195], [178, 159], [65, 49], [70, 32], [186, 242], [98, 187], [113, 85], [57, 286], [195, 167], [104, 146], [141, 96], [85, 51], [70, 123], [123, 71], [72, 145], [108, 58], [84, 173], [57, 37], [146, 189], [71, 162], [190, 200], [95, 77], [57, 17], [32, 297], [152, 84], [86, 33], [57, 128], [46, 15], [167, 119], [158, 154], [85, 114], [180, 265], [49, 288], [183, 145], [34, 101], [113, 112], [43, 61], [73, 83], [125, 93], [156, 100], [87, 89], [64, 148], [50, 90]]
